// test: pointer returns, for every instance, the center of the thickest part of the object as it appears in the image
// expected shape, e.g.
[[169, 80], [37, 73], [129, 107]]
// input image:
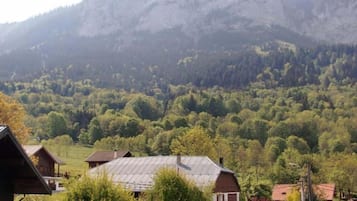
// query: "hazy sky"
[[19, 10]]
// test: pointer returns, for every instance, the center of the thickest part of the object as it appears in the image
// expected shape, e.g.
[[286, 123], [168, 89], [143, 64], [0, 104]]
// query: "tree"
[[286, 169], [273, 148], [294, 195], [146, 108], [170, 185], [13, 114], [56, 124], [298, 143], [195, 142], [94, 131], [96, 189]]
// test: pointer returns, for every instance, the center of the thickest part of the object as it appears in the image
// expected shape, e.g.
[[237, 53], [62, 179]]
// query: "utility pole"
[[309, 185], [302, 188]]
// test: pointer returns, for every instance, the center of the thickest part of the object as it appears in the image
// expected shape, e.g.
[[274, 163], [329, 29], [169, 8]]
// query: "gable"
[[17, 169], [106, 156]]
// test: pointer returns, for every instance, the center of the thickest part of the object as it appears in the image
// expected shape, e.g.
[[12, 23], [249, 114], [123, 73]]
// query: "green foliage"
[[100, 188], [297, 143], [59, 144], [94, 131], [56, 124], [145, 108], [294, 195], [13, 114], [170, 185], [259, 129], [195, 142]]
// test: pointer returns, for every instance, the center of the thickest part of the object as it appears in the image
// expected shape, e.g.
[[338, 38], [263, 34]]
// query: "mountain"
[[126, 36]]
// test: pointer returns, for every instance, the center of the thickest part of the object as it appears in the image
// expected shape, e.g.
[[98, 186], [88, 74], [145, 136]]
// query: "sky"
[[19, 10]]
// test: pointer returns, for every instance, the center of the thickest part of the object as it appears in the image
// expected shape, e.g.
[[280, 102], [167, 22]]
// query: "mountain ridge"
[[137, 34]]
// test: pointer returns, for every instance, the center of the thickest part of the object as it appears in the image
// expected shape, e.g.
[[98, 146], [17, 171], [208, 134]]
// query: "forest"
[[268, 113]]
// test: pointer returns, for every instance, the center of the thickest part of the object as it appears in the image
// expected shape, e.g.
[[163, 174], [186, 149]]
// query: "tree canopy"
[[13, 114]]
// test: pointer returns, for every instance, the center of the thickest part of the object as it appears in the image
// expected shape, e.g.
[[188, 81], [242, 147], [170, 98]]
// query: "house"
[[100, 157], [324, 192], [136, 173], [45, 161], [18, 175]]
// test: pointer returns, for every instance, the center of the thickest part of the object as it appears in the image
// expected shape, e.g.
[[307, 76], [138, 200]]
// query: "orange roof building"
[[324, 192]]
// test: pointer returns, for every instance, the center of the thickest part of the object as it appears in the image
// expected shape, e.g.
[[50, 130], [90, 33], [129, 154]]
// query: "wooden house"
[[100, 157], [18, 174], [45, 161], [136, 173]]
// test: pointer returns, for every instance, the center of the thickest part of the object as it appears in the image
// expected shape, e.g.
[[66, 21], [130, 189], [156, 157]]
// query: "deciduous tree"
[[13, 114], [195, 142]]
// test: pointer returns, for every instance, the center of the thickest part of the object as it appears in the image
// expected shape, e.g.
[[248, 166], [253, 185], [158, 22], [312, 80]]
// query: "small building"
[[136, 174], [45, 162], [324, 192], [100, 157], [18, 175]]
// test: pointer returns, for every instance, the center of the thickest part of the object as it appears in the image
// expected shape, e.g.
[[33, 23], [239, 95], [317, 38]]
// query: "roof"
[[16, 168], [105, 156], [137, 173], [33, 149], [280, 191], [322, 191], [325, 191]]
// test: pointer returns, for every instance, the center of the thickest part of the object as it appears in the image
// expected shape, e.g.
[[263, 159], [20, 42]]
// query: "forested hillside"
[[303, 111], [271, 65], [269, 85]]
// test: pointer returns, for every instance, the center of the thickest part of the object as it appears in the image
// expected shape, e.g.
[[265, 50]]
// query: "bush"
[[169, 186], [96, 189]]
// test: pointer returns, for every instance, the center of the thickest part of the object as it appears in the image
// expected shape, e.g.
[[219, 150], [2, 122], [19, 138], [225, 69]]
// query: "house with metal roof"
[[18, 175], [136, 173], [45, 162], [100, 157]]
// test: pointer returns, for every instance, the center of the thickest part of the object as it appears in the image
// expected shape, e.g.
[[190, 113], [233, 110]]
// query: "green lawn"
[[73, 156]]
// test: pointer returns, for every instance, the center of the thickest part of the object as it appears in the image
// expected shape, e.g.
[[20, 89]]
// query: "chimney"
[[178, 159], [221, 161], [115, 154]]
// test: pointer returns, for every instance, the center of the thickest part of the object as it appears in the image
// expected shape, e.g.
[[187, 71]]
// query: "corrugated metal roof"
[[105, 156], [2, 128], [137, 173]]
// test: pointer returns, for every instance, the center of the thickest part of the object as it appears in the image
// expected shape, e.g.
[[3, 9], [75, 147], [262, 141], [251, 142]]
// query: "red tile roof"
[[106, 156], [322, 191], [325, 191], [280, 191]]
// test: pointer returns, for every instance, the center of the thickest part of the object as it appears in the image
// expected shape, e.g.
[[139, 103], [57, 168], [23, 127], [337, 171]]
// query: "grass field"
[[73, 156]]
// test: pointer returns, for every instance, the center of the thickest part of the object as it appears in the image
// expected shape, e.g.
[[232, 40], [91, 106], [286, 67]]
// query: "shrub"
[[100, 188], [169, 186]]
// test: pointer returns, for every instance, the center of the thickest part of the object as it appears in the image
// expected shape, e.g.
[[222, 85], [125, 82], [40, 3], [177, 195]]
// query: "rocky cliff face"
[[322, 20], [140, 33]]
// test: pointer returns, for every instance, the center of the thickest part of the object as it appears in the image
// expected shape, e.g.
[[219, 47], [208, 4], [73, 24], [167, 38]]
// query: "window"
[[221, 197]]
